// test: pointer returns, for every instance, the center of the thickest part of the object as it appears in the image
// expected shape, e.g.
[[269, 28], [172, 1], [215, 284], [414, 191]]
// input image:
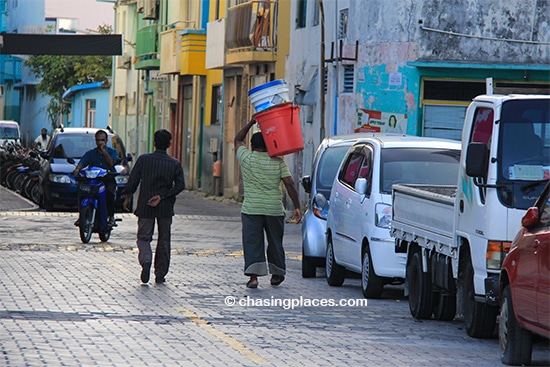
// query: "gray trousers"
[[162, 252], [253, 228]]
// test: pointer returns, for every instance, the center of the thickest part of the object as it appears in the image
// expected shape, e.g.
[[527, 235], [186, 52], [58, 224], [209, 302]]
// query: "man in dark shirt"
[[104, 157], [161, 178]]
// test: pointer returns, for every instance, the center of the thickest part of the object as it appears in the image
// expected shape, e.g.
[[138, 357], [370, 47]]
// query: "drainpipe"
[[335, 89], [323, 71]]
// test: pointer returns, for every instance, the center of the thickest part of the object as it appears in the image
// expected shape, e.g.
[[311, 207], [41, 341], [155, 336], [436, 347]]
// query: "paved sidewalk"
[[66, 303], [9, 200]]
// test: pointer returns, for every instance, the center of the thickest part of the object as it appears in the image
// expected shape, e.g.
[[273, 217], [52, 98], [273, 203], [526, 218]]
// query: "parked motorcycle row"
[[19, 169]]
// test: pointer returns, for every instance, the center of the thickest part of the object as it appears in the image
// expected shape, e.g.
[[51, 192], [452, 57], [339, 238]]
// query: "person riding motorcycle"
[[104, 157]]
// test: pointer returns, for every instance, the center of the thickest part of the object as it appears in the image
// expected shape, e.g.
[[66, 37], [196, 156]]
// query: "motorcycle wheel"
[[86, 223], [28, 183], [104, 236], [36, 193]]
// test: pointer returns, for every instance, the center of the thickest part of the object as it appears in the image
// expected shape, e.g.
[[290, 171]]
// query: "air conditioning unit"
[[123, 62], [149, 9], [140, 5]]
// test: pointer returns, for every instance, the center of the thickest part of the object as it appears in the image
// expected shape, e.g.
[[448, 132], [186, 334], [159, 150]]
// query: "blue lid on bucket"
[[266, 85]]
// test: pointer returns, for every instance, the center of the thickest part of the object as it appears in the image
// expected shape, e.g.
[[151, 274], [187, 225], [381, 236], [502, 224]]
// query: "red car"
[[525, 285]]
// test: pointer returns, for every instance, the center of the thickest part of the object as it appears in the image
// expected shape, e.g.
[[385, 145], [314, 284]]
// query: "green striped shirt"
[[262, 177]]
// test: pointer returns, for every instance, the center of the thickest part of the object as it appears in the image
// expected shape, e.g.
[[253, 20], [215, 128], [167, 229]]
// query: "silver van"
[[359, 215], [9, 133]]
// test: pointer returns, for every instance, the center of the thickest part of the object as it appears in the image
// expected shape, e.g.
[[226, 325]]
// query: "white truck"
[[456, 237]]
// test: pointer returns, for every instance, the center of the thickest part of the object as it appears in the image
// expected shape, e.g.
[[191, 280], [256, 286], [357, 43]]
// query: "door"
[[348, 211], [542, 243]]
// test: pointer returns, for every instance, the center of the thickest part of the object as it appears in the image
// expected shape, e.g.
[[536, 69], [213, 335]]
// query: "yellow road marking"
[[233, 343]]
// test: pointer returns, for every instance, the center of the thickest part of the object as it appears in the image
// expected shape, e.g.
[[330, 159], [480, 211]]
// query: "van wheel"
[[308, 267], [420, 289], [371, 284], [516, 344], [479, 318], [335, 273]]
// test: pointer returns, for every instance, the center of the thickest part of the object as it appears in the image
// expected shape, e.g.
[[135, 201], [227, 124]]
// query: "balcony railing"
[[147, 48], [251, 26]]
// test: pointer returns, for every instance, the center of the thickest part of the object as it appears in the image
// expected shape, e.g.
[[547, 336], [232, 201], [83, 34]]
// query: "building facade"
[[409, 67], [20, 99], [161, 82]]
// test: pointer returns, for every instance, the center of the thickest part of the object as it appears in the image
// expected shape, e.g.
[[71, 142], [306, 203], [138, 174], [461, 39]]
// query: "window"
[[90, 112], [215, 116], [301, 19], [351, 169], [483, 126], [325, 83], [343, 25], [316, 13], [358, 164], [348, 79]]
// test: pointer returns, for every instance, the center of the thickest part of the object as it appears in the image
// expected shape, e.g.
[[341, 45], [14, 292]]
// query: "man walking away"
[[160, 178], [263, 209]]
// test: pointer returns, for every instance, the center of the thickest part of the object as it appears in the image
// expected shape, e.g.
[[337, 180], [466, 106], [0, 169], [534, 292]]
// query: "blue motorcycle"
[[92, 207]]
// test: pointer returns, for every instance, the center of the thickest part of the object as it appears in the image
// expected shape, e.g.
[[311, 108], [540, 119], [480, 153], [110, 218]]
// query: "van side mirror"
[[477, 160], [361, 186]]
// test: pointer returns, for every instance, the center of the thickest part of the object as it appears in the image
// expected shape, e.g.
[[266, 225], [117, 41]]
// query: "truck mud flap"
[[442, 273]]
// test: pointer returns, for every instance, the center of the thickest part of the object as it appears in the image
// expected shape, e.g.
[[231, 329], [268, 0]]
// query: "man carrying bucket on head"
[[262, 209]]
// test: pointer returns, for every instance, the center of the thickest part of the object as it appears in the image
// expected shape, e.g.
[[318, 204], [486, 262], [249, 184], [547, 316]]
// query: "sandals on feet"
[[277, 279], [252, 283]]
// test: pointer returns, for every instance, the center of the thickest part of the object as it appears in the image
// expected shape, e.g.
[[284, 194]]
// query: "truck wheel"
[[479, 318], [420, 289], [335, 273], [444, 306], [308, 267], [371, 284], [516, 344]]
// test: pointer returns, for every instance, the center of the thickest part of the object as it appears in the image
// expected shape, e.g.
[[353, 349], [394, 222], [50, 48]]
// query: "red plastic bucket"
[[281, 129]]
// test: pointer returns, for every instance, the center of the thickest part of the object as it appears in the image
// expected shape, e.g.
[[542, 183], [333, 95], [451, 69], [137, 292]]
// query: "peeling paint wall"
[[466, 40]]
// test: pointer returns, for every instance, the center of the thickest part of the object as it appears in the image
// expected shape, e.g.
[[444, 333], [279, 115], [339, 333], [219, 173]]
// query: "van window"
[[9, 131]]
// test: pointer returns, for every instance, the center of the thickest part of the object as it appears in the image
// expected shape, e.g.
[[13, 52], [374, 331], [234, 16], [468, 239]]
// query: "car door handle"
[[536, 244]]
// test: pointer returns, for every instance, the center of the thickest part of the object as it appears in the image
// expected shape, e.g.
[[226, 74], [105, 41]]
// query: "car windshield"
[[418, 166], [75, 145], [328, 166]]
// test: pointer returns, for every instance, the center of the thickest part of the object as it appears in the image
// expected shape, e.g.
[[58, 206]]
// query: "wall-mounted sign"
[[377, 121]]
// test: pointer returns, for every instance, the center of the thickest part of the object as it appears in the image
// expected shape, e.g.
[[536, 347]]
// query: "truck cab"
[[456, 238], [506, 139]]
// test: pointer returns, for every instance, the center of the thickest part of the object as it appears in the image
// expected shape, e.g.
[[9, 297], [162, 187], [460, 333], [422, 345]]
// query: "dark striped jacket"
[[156, 174]]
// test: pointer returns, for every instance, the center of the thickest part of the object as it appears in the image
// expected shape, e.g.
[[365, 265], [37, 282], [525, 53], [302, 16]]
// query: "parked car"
[[359, 217], [56, 178], [525, 285], [318, 184]]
